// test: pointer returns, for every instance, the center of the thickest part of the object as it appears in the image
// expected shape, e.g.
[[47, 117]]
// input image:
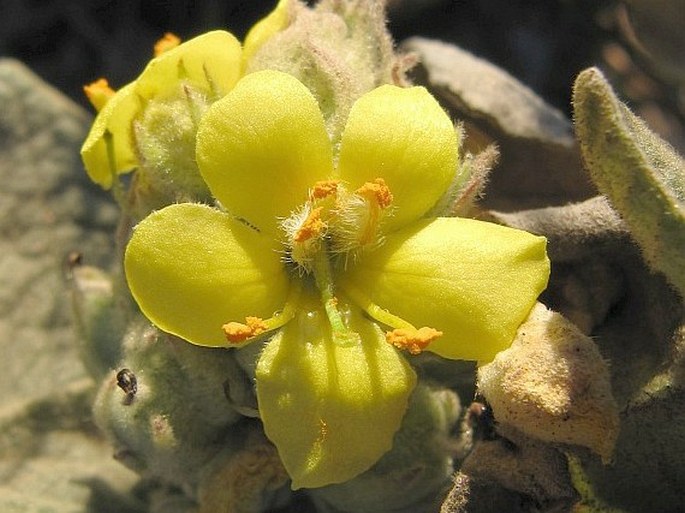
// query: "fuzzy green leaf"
[[643, 177]]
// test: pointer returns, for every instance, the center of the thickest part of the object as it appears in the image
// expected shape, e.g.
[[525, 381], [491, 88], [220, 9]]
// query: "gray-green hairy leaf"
[[643, 177]]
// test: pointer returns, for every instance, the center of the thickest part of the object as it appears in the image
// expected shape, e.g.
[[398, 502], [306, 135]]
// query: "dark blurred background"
[[544, 43]]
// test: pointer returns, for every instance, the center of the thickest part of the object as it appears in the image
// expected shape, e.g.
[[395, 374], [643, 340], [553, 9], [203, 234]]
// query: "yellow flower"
[[202, 69], [333, 248]]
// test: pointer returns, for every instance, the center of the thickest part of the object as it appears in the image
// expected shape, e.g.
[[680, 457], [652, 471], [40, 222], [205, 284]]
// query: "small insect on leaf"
[[74, 259], [128, 382], [482, 421]]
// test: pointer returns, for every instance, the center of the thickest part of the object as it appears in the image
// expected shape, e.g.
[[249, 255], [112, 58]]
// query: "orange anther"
[[98, 93], [323, 189], [412, 340], [311, 227], [257, 324], [238, 332], [166, 43], [377, 190]]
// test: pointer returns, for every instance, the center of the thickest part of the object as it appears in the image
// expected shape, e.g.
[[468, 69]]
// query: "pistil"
[[323, 278]]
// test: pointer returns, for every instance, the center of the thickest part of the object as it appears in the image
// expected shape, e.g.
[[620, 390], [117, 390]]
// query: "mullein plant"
[[289, 242]]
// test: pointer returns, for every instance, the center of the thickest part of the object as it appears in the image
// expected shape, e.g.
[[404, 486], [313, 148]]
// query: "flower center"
[[331, 222], [334, 223]]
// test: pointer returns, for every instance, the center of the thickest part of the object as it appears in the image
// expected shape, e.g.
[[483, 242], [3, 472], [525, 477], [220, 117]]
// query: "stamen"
[[404, 335], [411, 339], [237, 332], [323, 189], [313, 226], [98, 93], [358, 217], [168, 42], [305, 230], [378, 191]]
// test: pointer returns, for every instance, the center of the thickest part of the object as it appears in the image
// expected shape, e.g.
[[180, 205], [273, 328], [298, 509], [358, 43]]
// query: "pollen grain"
[[237, 332], [323, 189], [378, 191], [312, 227], [412, 340]]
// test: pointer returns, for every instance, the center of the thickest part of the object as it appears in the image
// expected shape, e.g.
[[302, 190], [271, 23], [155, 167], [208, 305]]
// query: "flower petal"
[[474, 281], [113, 122], [264, 29], [403, 136], [331, 410], [192, 268], [262, 146], [211, 62]]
